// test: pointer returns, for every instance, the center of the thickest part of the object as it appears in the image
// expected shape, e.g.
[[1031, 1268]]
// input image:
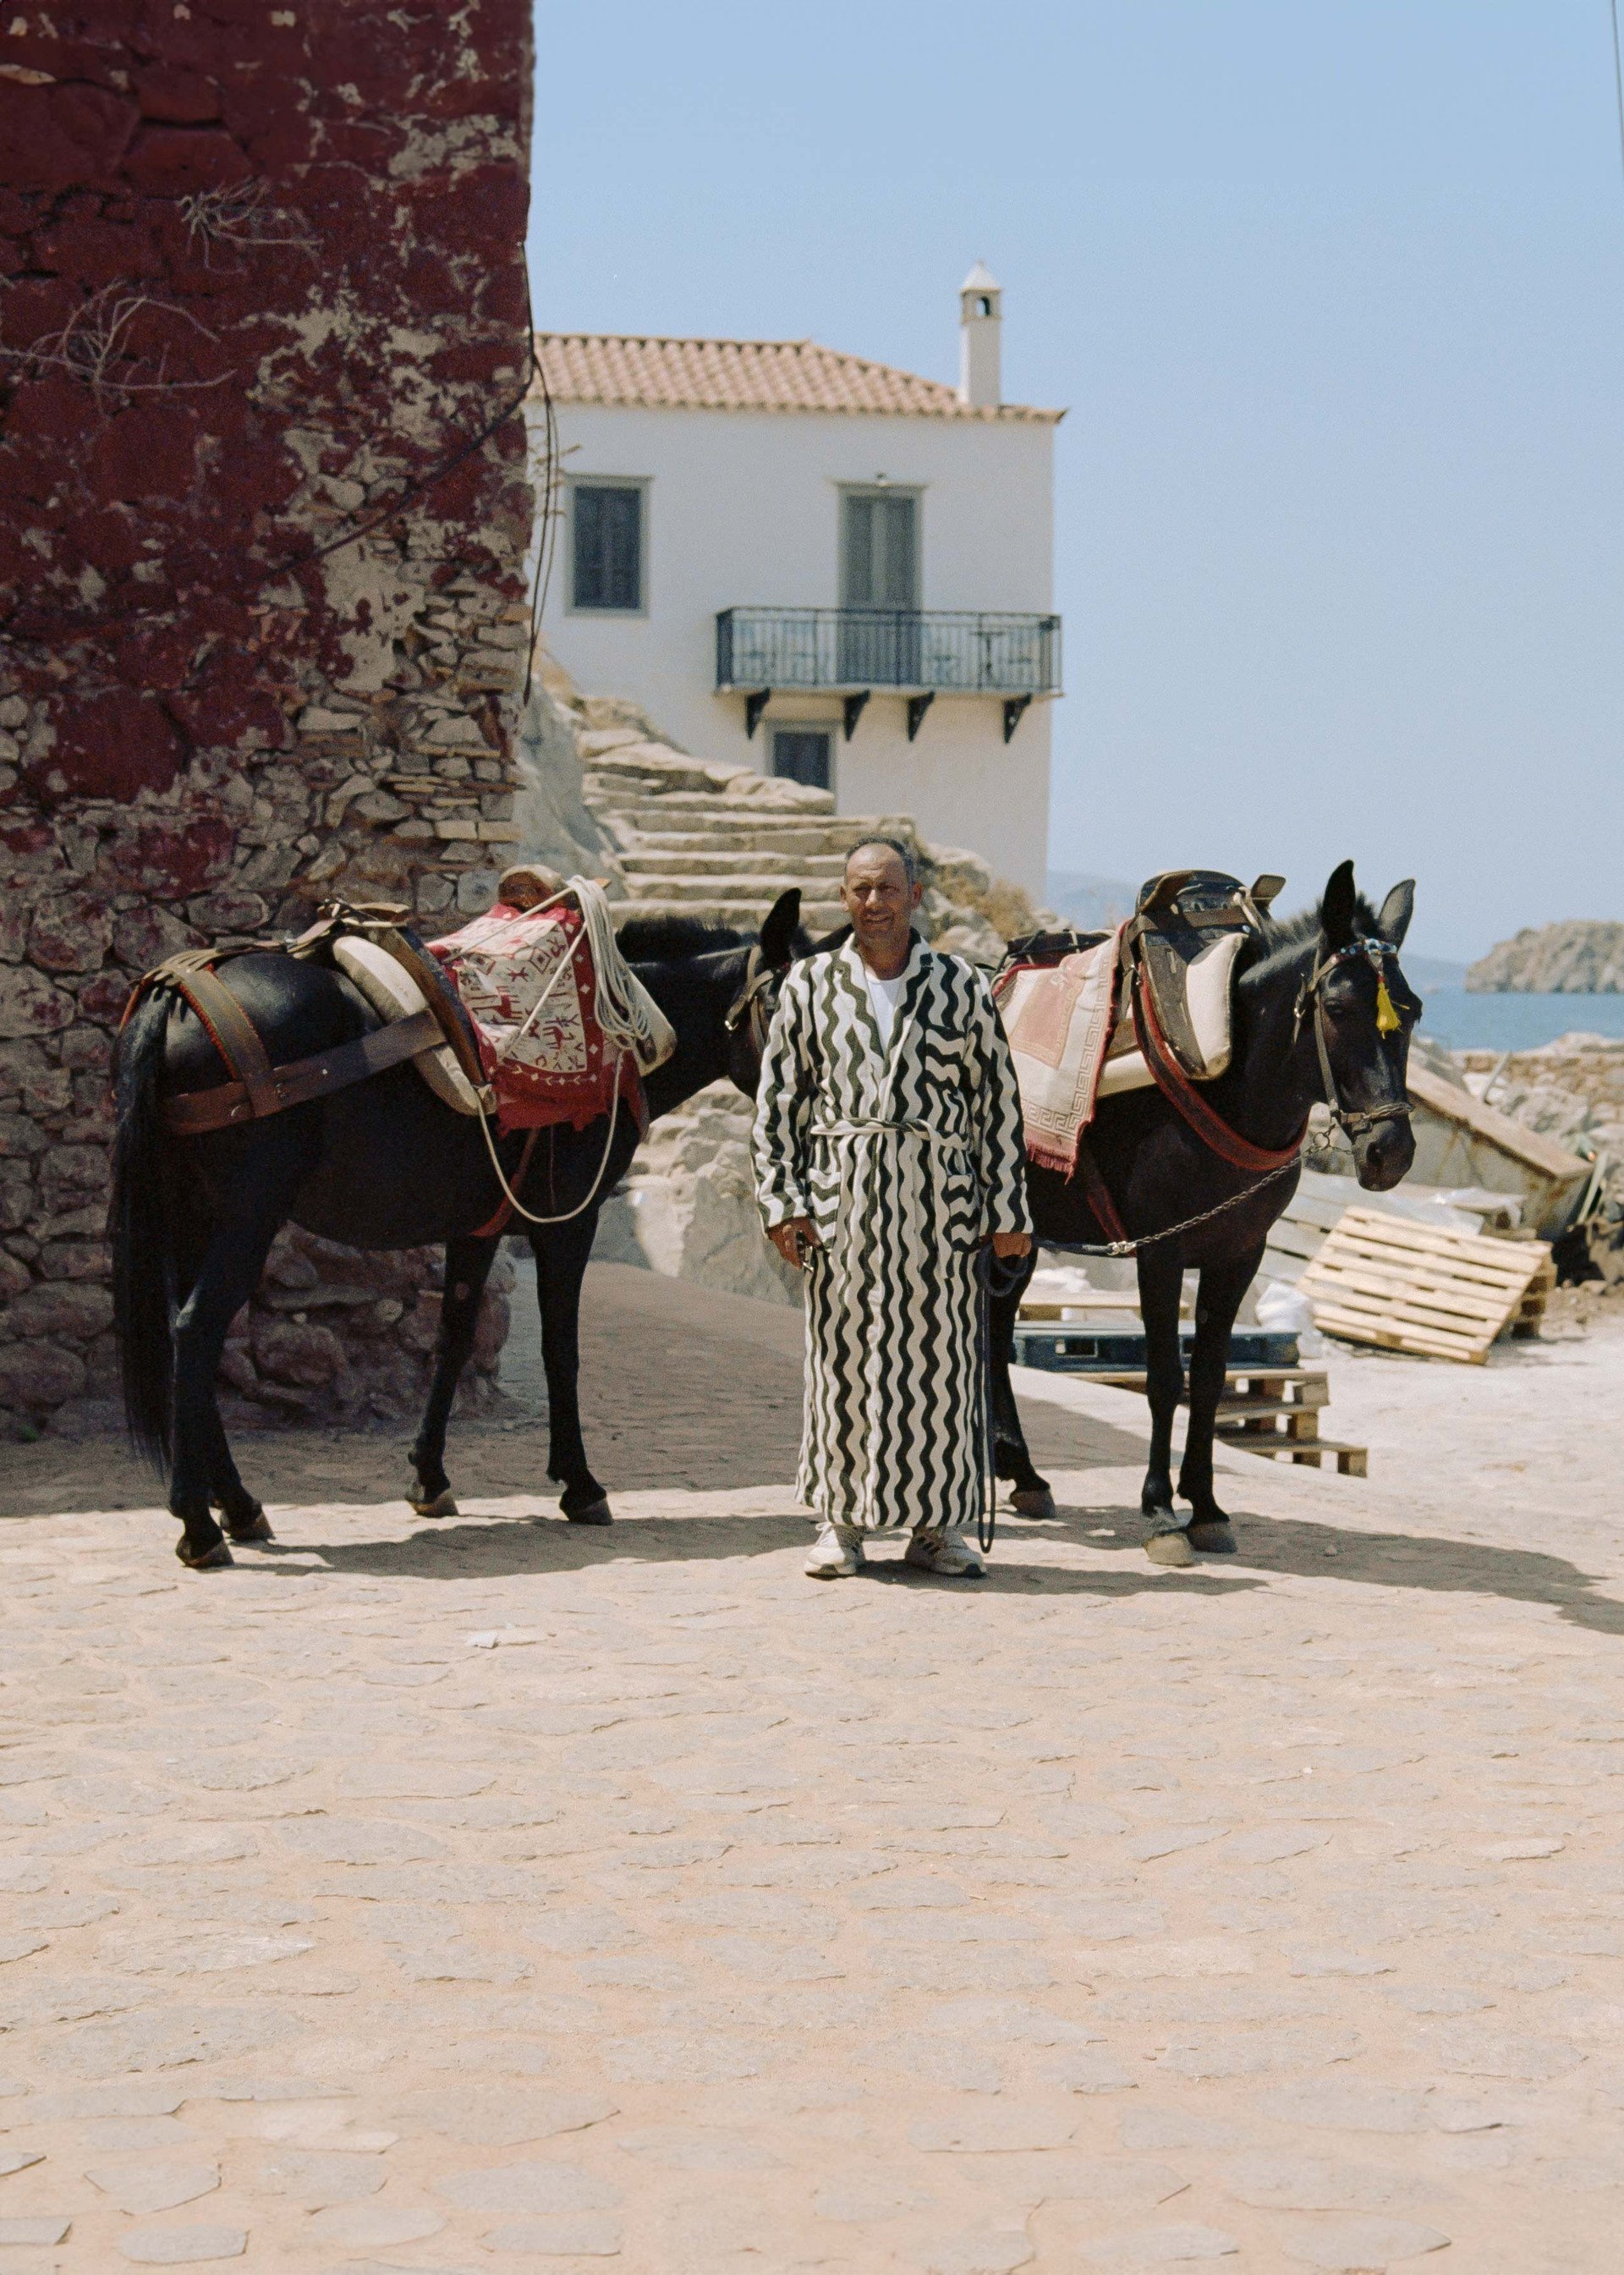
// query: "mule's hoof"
[[597, 1514], [1214, 1536], [439, 1504], [257, 1527], [212, 1560], [1171, 1549], [1028, 1503]]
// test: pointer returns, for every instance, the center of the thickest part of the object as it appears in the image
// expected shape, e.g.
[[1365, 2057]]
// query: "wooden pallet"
[[1532, 1312], [1098, 1299], [1351, 1460], [1274, 1411], [1407, 1286]]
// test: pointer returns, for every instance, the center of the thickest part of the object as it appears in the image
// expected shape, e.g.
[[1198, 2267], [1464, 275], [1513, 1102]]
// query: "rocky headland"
[[1584, 957]]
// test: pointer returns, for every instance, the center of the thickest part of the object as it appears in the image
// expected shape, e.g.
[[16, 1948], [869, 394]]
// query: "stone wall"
[[262, 610]]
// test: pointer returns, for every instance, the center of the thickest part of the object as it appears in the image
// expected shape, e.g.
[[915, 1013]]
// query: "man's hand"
[[1012, 1244], [794, 1234]]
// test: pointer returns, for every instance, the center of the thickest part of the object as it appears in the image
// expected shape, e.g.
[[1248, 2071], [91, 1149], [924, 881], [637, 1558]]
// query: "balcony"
[[918, 653]]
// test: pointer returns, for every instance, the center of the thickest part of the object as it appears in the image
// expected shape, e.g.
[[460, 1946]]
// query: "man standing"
[[888, 1150]]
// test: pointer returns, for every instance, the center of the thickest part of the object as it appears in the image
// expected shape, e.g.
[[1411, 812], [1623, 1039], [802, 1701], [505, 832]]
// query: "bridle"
[[751, 1002], [1375, 952]]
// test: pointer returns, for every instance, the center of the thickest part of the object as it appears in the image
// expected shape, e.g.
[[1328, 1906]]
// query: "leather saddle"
[[1183, 941]]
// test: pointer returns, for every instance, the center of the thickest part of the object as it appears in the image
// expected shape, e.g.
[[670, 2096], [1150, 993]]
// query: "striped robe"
[[905, 1159]]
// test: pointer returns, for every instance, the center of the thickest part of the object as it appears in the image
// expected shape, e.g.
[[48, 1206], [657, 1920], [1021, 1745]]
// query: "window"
[[804, 754], [607, 546]]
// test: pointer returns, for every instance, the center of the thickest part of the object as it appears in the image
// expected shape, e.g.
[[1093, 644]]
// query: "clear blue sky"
[[1333, 291]]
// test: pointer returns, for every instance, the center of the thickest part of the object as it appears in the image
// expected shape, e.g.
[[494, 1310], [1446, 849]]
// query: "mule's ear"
[[1396, 911], [778, 932], [1338, 909]]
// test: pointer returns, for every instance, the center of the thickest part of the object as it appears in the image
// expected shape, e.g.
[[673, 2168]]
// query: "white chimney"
[[981, 330]]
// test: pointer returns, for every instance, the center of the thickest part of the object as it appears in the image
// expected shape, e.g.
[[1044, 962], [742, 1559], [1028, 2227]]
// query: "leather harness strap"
[[192, 1113], [1098, 1192], [503, 1217], [1176, 1085], [232, 1034]]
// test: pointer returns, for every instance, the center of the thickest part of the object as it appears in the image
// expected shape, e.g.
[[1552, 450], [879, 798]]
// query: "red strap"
[[1176, 1084], [499, 1223], [1098, 1194]]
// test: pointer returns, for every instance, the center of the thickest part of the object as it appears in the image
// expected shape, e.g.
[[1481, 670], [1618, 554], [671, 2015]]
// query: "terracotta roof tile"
[[747, 375]]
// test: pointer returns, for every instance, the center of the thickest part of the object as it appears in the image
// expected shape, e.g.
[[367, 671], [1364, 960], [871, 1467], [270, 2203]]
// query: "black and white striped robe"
[[905, 1159]]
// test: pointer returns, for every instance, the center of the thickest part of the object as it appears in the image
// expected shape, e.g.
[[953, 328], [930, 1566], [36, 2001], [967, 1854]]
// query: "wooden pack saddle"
[[1182, 941], [438, 1031]]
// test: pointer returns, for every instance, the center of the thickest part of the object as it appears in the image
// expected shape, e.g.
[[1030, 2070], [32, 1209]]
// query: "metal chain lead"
[[1188, 1224]]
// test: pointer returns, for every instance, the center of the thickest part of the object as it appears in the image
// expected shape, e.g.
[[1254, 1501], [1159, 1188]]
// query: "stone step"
[[743, 887], [828, 833], [746, 915], [605, 792], [790, 845], [703, 860]]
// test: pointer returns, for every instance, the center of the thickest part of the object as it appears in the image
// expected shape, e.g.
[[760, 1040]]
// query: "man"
[[887, 1151]]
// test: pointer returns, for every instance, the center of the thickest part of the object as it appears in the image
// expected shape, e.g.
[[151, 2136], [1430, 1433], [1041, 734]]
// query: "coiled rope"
[[632, 1022]]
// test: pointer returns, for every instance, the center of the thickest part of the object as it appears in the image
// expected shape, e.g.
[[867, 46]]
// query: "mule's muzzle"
[[1383, 1156]]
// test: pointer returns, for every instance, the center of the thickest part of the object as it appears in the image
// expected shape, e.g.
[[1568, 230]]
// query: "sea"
[[1464, 1022]]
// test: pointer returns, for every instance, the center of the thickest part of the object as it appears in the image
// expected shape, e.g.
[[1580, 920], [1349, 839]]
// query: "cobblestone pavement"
[[495, 1895]]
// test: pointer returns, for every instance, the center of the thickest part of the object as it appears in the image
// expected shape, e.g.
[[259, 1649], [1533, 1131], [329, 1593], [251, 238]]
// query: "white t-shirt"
[[885, 995]]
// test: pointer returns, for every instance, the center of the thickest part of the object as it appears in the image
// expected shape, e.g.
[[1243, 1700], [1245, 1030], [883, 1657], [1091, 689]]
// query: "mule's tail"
[[141, 1232]]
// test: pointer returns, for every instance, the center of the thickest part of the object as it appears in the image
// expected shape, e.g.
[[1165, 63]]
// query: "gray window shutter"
[[608, 549]]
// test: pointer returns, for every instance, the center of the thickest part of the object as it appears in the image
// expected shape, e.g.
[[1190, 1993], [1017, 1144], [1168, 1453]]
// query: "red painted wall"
[[261, 288]]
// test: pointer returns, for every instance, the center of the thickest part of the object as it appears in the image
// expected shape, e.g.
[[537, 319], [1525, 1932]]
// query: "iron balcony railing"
[[922, 651]]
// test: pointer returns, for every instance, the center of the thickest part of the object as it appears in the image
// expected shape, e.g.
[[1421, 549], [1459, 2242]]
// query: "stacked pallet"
[[1274, 1411], [1407, 1287]]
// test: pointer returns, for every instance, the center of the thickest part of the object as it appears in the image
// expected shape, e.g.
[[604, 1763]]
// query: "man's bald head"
[[871, 845]]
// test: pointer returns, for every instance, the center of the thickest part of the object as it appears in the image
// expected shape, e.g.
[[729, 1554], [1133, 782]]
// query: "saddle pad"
[[1187, 967], [530, 991], [384, 980], [1204, 985], [1058, 1021]]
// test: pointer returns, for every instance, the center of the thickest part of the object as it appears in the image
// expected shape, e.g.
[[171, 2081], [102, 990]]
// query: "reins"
[[750, 1002]]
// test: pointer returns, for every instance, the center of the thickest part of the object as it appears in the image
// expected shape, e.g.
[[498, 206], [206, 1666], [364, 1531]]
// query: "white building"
[[837, 569]]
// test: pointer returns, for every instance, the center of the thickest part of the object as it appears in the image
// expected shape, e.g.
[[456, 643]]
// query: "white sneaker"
[[837, 1554], [948, 1554]]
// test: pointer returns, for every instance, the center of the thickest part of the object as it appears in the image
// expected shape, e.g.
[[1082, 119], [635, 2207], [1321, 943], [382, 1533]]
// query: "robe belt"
[[857, 1126]]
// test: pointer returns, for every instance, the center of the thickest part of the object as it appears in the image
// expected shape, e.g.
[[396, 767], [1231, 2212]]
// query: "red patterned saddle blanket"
[[526, 981]]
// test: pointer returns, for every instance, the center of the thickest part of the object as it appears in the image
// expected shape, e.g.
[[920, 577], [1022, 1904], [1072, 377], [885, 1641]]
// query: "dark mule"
[[383, 1164], [1158, 1173]]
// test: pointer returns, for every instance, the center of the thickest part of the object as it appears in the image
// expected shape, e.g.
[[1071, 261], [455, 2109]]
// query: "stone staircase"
[[718, 843]]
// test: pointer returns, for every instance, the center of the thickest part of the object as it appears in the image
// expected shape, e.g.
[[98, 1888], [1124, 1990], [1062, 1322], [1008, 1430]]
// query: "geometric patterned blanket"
[[1059, 1019], [529, 990]]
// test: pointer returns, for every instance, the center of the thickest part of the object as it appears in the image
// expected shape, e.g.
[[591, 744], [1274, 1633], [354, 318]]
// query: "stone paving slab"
[[491, 1894]]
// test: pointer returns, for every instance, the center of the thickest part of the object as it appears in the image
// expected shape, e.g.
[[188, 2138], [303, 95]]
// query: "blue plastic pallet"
[[1083, 1349]]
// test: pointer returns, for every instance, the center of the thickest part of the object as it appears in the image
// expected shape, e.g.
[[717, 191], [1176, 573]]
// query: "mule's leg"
[[254, 1209], [467, 1267], [245, 1516], [1162, 1279], [561, 1251], [244, 1513], [1222, 1287], [1029, 1493]]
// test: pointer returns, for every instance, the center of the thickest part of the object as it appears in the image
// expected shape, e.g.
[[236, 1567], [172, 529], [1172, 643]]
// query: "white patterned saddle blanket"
[[1071, 1036]]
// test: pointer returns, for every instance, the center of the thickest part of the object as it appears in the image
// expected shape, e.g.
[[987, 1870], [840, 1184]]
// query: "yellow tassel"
[[1387, 1017]]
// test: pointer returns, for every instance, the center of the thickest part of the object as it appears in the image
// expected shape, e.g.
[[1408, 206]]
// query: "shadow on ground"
[[504, 1545], [1308, 1550]]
